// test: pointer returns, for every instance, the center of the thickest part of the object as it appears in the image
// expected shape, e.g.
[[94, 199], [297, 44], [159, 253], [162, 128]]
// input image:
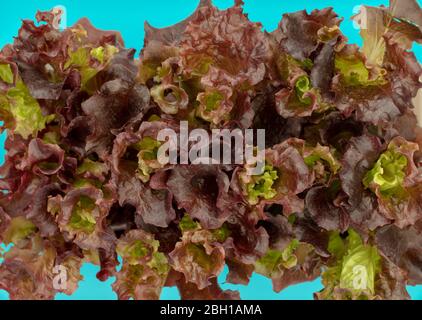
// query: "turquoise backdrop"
[[128, 17]]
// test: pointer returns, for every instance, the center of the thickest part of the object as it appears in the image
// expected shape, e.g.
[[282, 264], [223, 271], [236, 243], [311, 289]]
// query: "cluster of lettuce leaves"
[[341, 192]]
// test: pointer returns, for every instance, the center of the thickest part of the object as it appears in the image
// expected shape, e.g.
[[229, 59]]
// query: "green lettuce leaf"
[[323, 162], [303, 86], [6, 73], [144, 270], [83, 59], [198, 256], [353, 270], [399, 24], [147, 157], [92, 168], [82, 218], [274, 261], [355, 73], [221, 234], [170, 98], [394, 180], [187, 224], [104, 54], [261, 186], [388, 173], [18, 229], [18, 104]]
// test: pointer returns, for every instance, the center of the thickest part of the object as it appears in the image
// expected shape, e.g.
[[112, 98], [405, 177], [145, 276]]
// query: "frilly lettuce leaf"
[[261, 186], [354, 72], [170, 98], [90, 168], [275, 259], [388, 173], [392, 179], [186, 224], [295, 263], [18, 104], [147, 157], [81, 218], [323, 161], [83, 59], [18, 229], [354, 269], [144, 269], [6, 73], [199, 257], [28, 270]]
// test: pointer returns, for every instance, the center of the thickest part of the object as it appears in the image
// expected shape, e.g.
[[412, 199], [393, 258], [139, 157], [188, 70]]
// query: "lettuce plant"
[[341, 191]]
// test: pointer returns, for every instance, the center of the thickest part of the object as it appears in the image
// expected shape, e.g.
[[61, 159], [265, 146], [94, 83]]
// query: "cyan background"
[[128, 17]]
